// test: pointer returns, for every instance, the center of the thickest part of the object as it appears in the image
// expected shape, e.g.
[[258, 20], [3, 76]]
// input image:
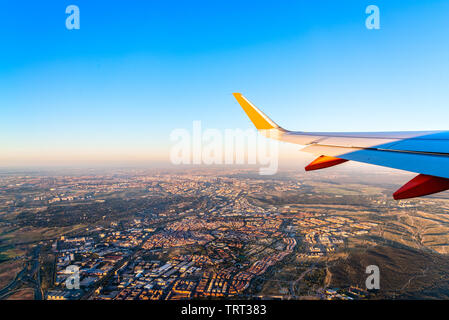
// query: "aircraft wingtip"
[[257, 117]]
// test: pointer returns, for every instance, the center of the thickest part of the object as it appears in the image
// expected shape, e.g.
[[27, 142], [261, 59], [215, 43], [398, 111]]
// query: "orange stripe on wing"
[[324, 162]]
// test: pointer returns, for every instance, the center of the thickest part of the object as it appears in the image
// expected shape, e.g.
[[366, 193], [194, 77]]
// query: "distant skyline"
[[113, 91]]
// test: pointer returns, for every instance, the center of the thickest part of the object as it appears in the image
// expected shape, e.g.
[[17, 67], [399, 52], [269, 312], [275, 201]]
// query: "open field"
[[22, 294], [404, 273], [8, 271]]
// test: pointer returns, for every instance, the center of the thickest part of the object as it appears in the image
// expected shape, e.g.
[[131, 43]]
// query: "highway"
[[28, 277]]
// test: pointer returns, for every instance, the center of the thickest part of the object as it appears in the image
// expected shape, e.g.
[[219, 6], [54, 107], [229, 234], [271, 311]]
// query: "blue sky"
[[136, 70]]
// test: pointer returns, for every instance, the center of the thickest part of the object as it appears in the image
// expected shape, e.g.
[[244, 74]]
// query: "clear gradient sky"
[[136, 70]]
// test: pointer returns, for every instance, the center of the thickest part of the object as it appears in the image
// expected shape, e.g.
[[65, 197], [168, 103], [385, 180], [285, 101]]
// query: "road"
[[28, 277]]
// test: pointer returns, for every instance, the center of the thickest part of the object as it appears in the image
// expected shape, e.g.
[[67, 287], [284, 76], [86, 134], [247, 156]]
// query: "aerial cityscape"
[[223, 159], [211, 233]]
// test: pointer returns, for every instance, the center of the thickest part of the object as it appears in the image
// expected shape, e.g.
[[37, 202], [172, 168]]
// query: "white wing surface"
[[423, 152]]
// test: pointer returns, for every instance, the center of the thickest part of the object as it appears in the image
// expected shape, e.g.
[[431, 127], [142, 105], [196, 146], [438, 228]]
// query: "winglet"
[[257, 117]]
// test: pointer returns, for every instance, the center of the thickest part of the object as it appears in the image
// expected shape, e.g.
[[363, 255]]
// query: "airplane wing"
[[423, 152]]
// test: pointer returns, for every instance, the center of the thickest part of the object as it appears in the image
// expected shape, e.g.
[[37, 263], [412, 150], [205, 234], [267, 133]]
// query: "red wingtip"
[[324, 162], [421, 185]]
